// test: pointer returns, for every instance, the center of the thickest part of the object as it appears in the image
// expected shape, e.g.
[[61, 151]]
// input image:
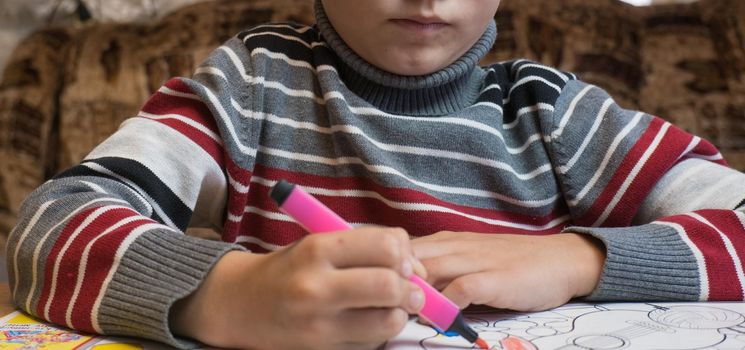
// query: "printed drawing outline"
[[662, 326]]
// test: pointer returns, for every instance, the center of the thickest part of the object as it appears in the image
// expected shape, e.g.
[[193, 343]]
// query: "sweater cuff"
[[158, 269], [644, 263]]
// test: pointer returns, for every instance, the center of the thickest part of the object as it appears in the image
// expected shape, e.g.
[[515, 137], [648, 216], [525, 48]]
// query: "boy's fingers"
[[365, 247], [444, 269], [374, 287], [478, 288], [424, 250], [419, 268], [373, 325]]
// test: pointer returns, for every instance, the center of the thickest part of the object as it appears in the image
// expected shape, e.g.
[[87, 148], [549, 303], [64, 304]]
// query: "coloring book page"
[[19, 331], [575, 326]]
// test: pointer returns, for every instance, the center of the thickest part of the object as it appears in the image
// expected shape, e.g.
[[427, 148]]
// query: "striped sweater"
[[514, 147]]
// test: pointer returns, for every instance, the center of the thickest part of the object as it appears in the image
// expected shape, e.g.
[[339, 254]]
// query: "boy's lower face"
[[410, 37]]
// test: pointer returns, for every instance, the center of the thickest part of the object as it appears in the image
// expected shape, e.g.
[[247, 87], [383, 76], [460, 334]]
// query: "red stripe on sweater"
[[366, 210], [706, 149], [720, 268], [178, 85], [401, 195], [208, 144], [236, 200], [100, 261], [162, 103], [667, 152], [372, 211], [67, 272], [48, 269], [283, 233], [730, 225]]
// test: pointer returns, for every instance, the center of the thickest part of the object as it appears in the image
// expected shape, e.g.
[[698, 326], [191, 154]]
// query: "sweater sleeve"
[[100, 247], [662, 201]]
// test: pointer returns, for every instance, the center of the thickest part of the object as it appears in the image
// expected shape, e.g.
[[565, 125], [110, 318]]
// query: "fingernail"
[[416, 299], [406, 268], [419, 268]]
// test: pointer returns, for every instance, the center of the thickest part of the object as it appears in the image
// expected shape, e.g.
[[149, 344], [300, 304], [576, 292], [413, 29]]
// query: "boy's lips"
[[420, 24]]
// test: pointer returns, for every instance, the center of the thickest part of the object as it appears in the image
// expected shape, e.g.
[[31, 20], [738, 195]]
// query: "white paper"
[[594, 326]]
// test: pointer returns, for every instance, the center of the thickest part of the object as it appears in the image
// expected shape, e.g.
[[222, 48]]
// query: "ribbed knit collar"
[[443, 92]]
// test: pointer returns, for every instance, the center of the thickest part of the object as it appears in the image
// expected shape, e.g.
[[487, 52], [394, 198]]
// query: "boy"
[[527, 186]]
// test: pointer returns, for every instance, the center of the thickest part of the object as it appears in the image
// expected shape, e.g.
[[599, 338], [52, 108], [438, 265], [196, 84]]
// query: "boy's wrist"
[[588, 260], [202, 315]]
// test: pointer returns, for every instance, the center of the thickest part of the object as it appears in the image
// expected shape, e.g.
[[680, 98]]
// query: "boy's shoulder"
[[521, 71], [526, 86], [285, 34]]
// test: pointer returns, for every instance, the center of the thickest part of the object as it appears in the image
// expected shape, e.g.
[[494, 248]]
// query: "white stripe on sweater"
[[280, 56], [287, 37], [559, 74], [713, 157], [300, 30], [237, 186], [168, 91], [210, 71], [527, 110], [490, 87], [491, 105], [528, 79]]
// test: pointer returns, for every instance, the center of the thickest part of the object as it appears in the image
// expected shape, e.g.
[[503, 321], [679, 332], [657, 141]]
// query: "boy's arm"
[[661, 200], [100, 247]]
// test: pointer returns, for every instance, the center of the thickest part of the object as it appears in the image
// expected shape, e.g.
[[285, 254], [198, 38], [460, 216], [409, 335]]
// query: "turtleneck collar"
[[443, 92]]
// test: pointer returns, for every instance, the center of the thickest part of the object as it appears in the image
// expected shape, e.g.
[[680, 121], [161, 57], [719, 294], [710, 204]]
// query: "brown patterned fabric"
[[67, 89]]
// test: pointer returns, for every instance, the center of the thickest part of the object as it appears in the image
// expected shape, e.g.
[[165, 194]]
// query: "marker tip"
[[482, 344]]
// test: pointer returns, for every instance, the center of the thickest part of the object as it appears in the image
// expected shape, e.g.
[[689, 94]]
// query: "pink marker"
[[315, 217]]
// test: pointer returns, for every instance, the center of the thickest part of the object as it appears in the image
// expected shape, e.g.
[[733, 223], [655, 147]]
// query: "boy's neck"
[[443, 92]]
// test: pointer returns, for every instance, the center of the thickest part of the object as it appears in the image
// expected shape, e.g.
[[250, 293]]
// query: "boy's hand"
[[345, 290], [518, 272]]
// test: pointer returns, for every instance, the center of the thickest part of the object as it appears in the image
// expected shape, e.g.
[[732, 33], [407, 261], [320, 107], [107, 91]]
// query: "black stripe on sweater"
[[291, 48], [526, 95], [142, 177]]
